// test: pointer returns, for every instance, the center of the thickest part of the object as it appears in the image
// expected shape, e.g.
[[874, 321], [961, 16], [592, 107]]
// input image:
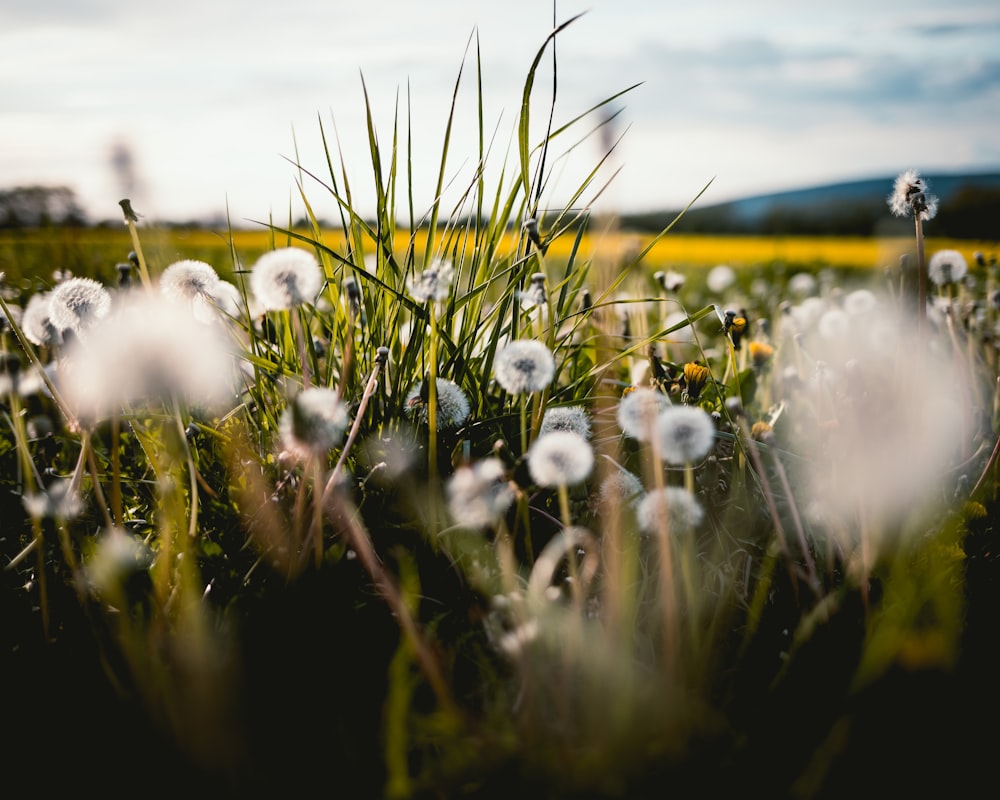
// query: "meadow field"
[[94, 252], [521, 503]]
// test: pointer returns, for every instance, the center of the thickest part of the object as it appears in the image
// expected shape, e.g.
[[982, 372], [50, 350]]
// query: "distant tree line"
[[39, 206]]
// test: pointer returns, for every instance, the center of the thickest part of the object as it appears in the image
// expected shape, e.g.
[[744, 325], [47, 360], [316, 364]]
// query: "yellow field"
[[95, 251]]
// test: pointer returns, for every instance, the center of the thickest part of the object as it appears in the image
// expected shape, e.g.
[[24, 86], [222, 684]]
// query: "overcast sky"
[[203, 103]]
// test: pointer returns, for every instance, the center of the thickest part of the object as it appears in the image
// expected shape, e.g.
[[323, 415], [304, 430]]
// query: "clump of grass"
[[606, 512]]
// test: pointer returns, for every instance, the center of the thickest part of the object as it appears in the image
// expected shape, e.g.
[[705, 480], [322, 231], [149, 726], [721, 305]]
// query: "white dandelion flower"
[[638, 411], [910, 198], [670, 280], [36, 321], [720, 278], [480, 494], [860, 301], [619, 487], [566, 418], [16, 313], [285, 278], [534, 296], [676, 507], [313, 422], [685, 434], [560, 458], [524, 365], [77, 303], [118, 555], [189, 280], [147, 352], [228, 299], [57, 500], [434, 283], [802, 284], [834, 323], [452, 404], [946, 266]]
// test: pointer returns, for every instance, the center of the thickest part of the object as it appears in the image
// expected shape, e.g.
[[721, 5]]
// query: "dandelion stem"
[[921, 276], [130, 218]]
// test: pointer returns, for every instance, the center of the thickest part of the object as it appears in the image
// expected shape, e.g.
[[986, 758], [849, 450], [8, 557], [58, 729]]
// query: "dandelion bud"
[[127, 210], [353, 292], [531, 228], [695, 378]]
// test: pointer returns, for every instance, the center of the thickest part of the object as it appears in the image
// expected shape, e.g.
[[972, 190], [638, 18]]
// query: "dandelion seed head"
[[909, 197], [118, 555], [672, 506], [834, 323], [560, 458], [452, 404], [619, 487], [189, 280], [57, 500], [898, 433], [685, 434], [146, 352], [285, 278], [566, 418], [802, 284], [434, 283], [534, 296], [480, 494], [860, 301], [77, 303], [313, 422], [638, 410], [720, 278], [524, 365], [946, 266]]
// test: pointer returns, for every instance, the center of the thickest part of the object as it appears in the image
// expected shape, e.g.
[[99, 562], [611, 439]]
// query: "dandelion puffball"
[[566, 418], [676, 508], [147, 352], [77, 303], [524, 365], [946, 266], [285, 278], [313, 422], [685, 434], [480, 494], [452, 404], [638, 410], [560, 458]]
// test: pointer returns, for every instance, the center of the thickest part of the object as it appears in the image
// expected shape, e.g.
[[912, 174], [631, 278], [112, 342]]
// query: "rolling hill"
[[969, 209]]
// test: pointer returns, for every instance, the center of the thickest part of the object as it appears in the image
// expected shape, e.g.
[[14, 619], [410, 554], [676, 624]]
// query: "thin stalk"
[[921, 277], [130, 219]]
